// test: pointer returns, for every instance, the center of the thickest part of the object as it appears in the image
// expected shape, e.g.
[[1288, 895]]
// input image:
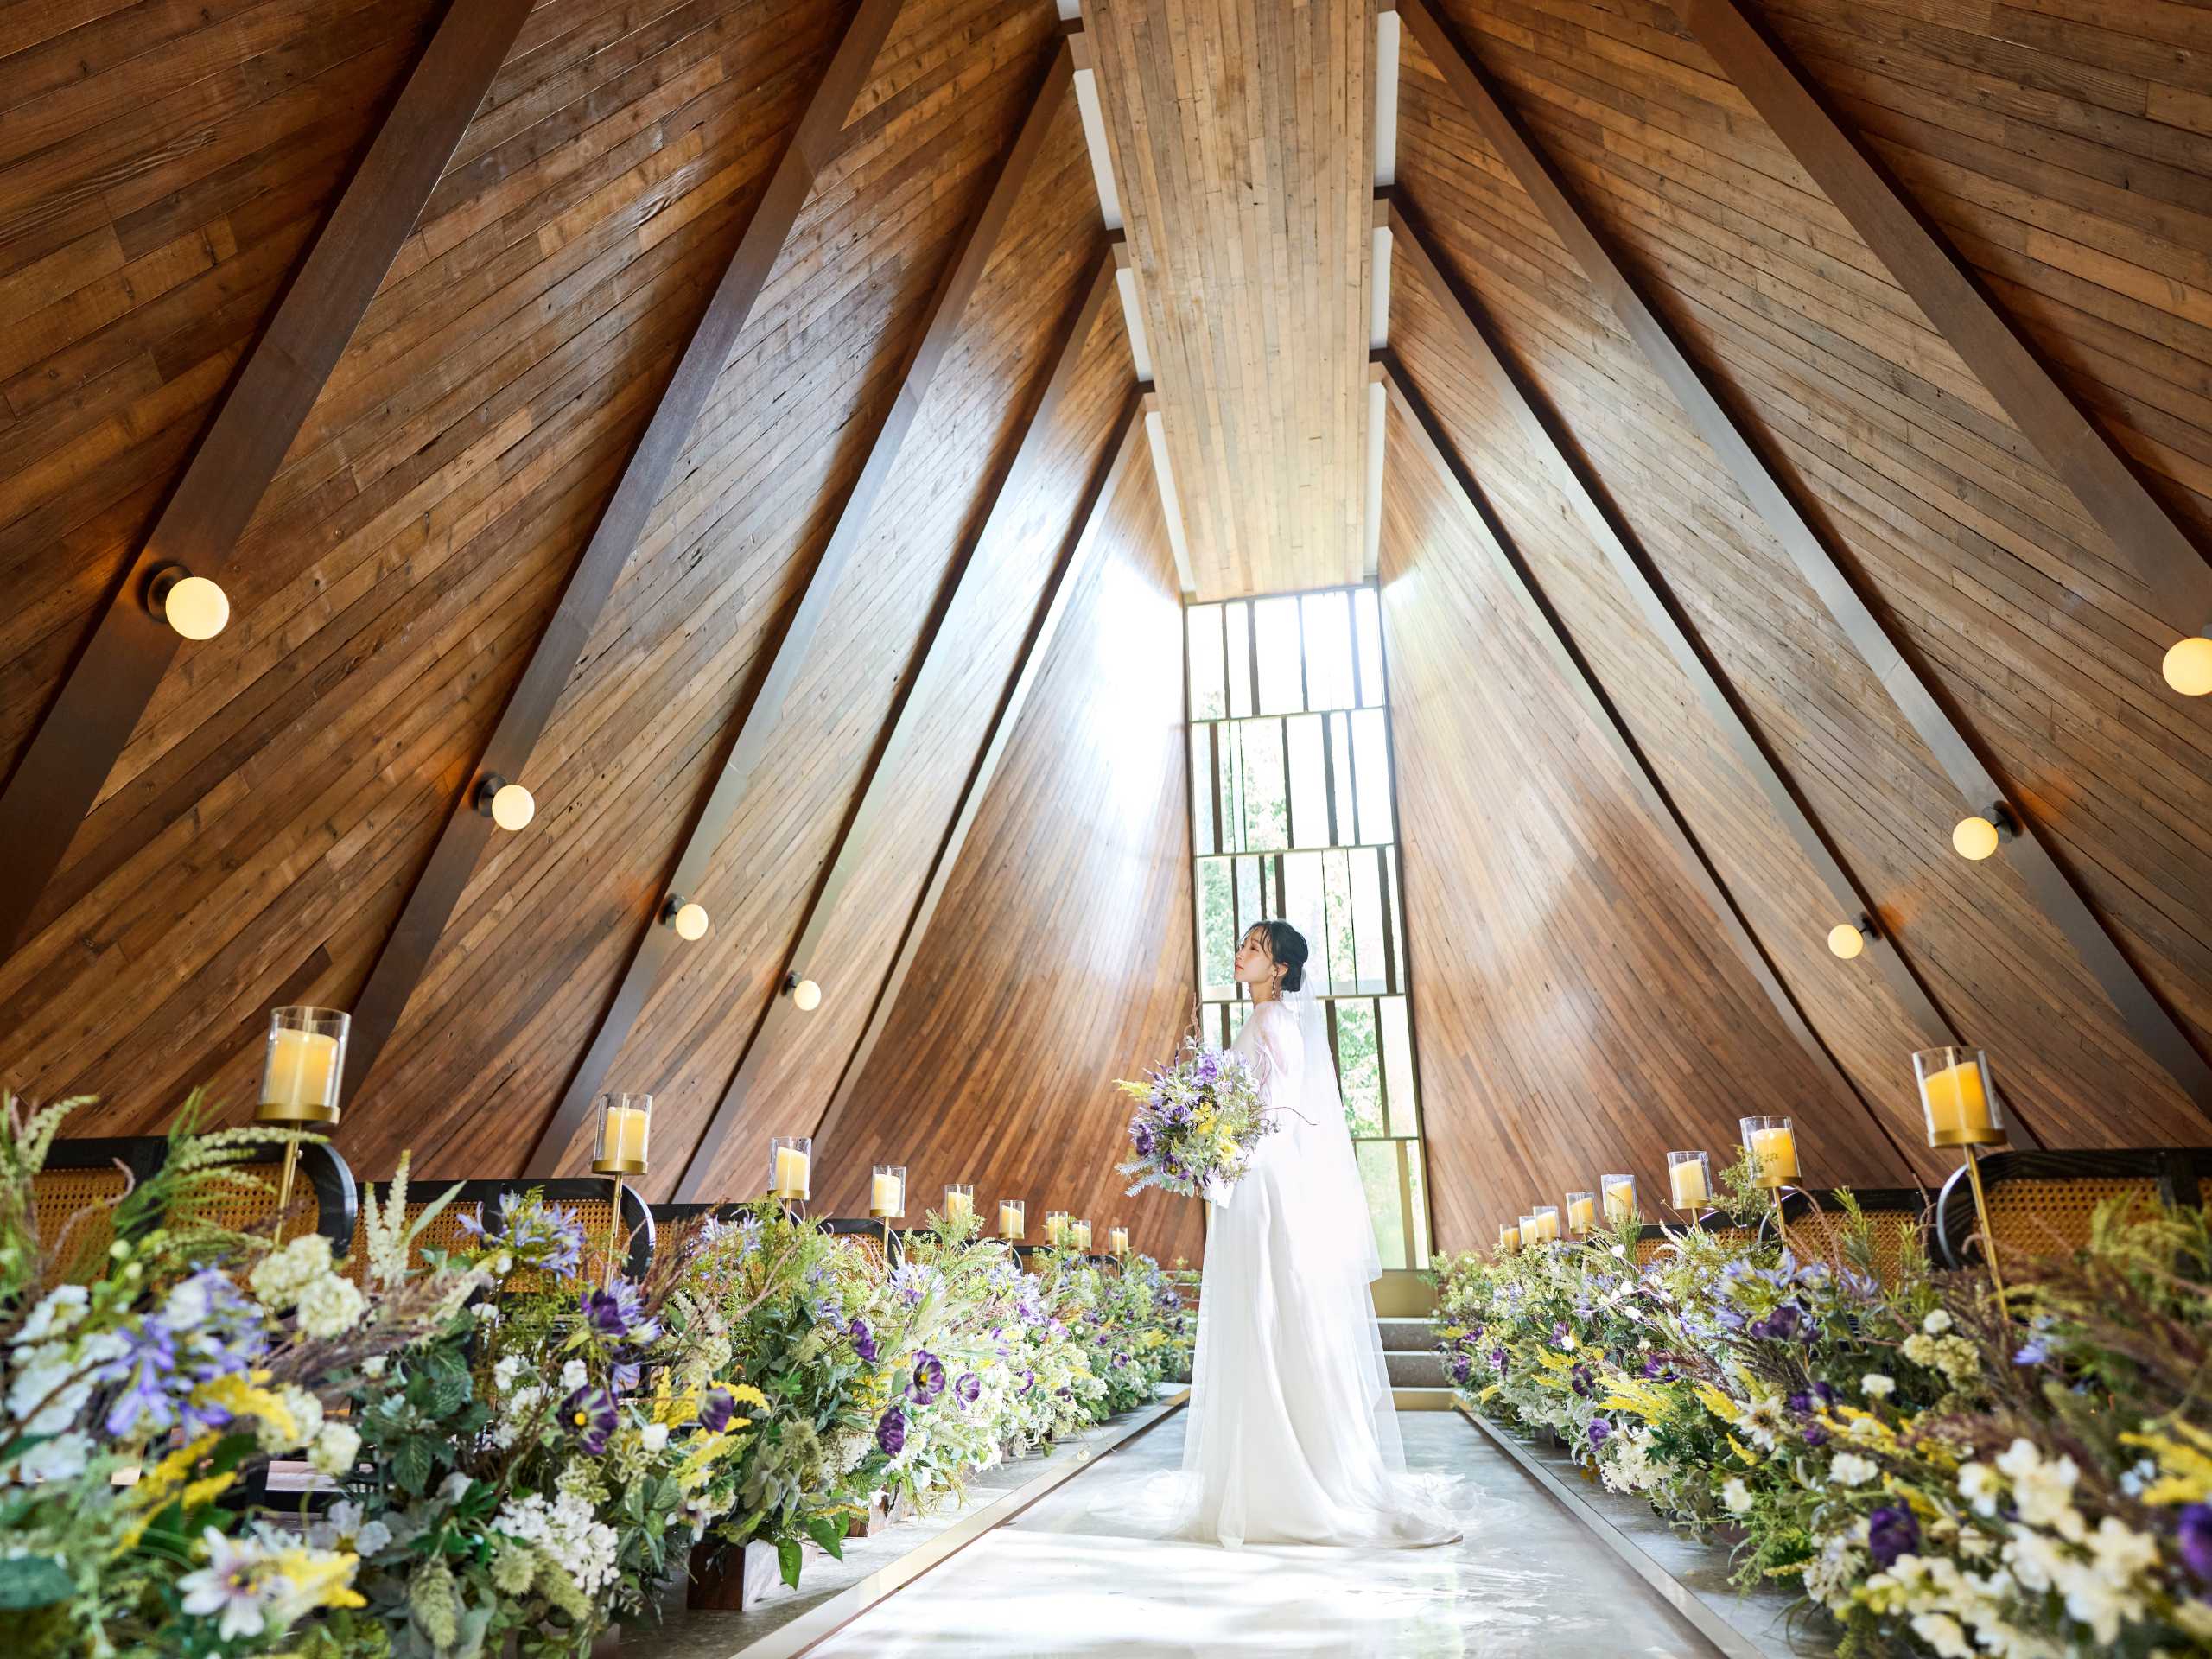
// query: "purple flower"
[[146, 1368], [589, 1412], [891, 1432], [1599, 1428], [929, 1378], [1559, 1331], [2032, 1352], [863, 1341], [1827, 1392], [618, 1312], [1028, 1381], [969, 1389], [2193, 1539], [716, 1409], [1816, 1435], [1582, 1380], [623, 1375], [1652, 1368], [1892, 1532], [1461, 1367], [1497, 1360]]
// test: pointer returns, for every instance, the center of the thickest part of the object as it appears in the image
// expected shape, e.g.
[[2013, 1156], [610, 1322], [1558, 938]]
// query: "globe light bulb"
[[1975, 838], [195, 608], [2188, 667], [806, 996], [691, 921], [1845, 941], [513, 806]]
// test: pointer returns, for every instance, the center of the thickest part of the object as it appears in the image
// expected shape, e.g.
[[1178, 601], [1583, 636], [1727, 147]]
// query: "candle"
[[1118, 1239], [791, 1173], [1955, 1093], [625, 1134], [1509, 1237], [1620, 1198], [959, 1203], [1546, 1218], [1081, 1230], [1056, 1228], [1773, 1147], [886, 1194], [1581, 1213], [1687, 1182], [300, 1077], [1013, 1218]]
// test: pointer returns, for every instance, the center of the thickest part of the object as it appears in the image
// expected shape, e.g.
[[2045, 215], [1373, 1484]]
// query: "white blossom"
[[1875, 1386], [1849, 1469], [1936, 1323]]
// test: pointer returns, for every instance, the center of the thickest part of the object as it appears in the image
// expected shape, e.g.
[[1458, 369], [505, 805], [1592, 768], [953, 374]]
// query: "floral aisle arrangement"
[[1197, 1123], [1940, 1479], [522, 1448]]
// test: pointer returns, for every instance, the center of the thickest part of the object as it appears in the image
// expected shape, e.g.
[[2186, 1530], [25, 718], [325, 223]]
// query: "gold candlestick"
[[301, 1075], [625, 1122]]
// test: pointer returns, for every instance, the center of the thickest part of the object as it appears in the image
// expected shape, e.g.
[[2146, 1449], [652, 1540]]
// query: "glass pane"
[[1202, 789], [1370, 746], [1335, 883], [1309, 782], [1420, 1195], [1370, 648], [1378, 1174], [1341, 781], [1398, 1067], [1217, 931], [1366, 868], [1233, 1016], [1359, 1068], [1238, 623], [1397, 915], [1208, 686], [1219, 1016], [1267, 822], [1232, 778], [1282, 668], [1305, 906], [1253, 897], [1328, 650]]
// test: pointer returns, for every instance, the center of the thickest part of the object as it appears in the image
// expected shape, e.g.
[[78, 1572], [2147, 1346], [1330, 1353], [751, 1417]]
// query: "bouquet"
[[1197, 1123]]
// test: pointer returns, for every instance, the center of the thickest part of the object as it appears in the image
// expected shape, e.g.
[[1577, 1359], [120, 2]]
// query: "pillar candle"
[[1010, 1218], [1547, 1222], [1620, 1200], [300, 1070], [959, 1206], [1689, 1183], [1581, 1213], [791, 1173], [884, 1196], [1081, 1235], [1958, 1108], [1117, 1240], [625, 1134], [1509, 1238], [1774, 1153]]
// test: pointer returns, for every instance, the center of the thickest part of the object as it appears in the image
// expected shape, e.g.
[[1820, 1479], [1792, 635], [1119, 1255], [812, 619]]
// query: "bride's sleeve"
[[1280, 1052]]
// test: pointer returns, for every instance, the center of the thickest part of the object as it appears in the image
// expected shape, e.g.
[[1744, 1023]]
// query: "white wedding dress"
[[1293, 1434]]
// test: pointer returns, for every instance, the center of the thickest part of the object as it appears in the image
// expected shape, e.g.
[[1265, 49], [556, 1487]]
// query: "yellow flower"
[[745, 1394], [240, 1398], [325, 1580], [2186, 1471]]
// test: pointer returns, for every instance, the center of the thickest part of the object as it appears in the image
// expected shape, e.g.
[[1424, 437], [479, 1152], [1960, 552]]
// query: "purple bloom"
[[146, 1369], [1816, 1435], [1028, 1381], [1582, 1380], [1892, 1532], [929, 1378], [618, 1312], [1497, 1360], [589, 1412], [1559, 1331], [623, 1373], [2193, 1539], [1651, 1367], [891, 1432], [1599, 1428], [2032, 1352], [863, 1341], [1827, 1393], [716, 1409], [969, 1389], [1461, 1367]]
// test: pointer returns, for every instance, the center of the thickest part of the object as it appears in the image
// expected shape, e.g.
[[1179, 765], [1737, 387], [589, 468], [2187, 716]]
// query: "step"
[[1424, 1399], [1424, 1370], [1408, 1335]]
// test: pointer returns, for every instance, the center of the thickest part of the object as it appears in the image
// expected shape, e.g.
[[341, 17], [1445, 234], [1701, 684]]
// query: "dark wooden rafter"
[[750, 741], [1575, 671], [2167, 572], [58, 779], [1664, 615], [1091, 516], [945, 639], [530, 706], [2049, 883]]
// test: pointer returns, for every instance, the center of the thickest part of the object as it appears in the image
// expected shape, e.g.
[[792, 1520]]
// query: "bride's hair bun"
[[1286, 945]]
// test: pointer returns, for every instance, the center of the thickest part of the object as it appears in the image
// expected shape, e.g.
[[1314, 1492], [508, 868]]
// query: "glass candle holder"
[[887, 1193], [303, 1065], [960, 1203], [1526, 1232], [1056, 1228], [1118, 1239], [1546, 1216], [1689, 1179], [1773, 1146], [1958, 1098], [1079, 1233], [623, 1121], [1014, 1219], [1509, 1238], [1581, 1213], [790, 1163], [1620, 1198]]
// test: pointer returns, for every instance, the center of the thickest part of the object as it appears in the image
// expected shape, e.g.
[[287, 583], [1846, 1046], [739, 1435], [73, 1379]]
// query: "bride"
[[1293, 1435]]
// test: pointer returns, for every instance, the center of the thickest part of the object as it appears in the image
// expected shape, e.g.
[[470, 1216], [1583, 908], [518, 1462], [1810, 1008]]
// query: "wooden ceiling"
[[1243, 155]]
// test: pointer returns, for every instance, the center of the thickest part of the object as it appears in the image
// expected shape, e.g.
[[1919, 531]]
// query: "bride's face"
[[1255, 965]]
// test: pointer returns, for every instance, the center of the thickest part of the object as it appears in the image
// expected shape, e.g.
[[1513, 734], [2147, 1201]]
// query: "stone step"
[[1415, 1370], [1408, 1335], [1423, 1399]]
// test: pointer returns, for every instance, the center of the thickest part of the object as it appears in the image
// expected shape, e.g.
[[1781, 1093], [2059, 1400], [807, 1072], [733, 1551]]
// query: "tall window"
[[1292, 816]]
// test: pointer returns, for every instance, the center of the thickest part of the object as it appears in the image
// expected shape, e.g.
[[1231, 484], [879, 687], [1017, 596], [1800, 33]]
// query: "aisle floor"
[[1066, 1578]]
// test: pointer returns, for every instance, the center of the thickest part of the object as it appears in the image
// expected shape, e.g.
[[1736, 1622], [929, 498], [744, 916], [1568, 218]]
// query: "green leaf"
[[411, 1464], [787, 1559], [38, 1581], [829, 1533]]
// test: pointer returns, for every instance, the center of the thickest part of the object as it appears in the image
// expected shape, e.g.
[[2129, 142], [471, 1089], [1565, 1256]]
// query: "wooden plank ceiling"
[[1243, 158]]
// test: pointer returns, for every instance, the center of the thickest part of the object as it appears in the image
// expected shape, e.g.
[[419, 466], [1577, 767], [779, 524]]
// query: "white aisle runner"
[[1065, 1578]]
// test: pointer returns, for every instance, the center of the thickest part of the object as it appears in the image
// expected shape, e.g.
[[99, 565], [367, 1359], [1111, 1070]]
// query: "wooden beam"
[[2047, 882], [814, 141], [945, 639], [57, 781], [2165, 572], [1664, 615], [1092, 517], [765, 709], [1575, 671]]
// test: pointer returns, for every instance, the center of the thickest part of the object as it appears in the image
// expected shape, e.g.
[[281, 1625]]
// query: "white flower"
[[330, 1307], [373, 1366], [1875, 1386], [1979, 1485], [653, 1436], [48, 1392], [335, 1448], [1936, 1323], [2136, 1476], [2044, 1490], [279, 1278], [580, 1545], [1920, 1348], [56, 1312], [2122, 1554], [1736, 1494], [234, 1584], [504, 1373], [574, 1376], [62, 1457], [1849, 1469], [1944, 1634]]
